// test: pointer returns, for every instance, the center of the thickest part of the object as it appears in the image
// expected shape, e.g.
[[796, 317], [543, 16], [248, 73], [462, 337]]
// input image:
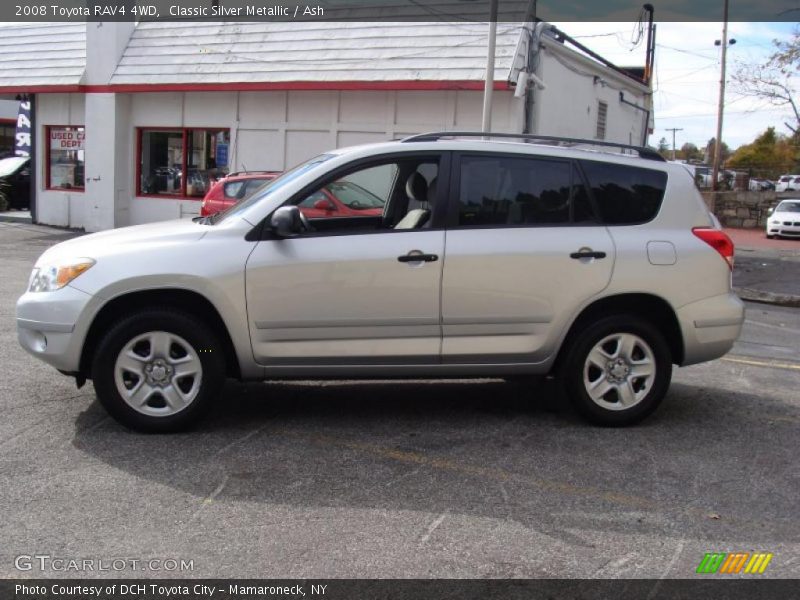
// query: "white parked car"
[[489, 259], [788, 183], [784, 219]]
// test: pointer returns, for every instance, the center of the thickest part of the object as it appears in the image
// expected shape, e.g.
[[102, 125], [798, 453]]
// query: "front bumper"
[[710, 327], [49, 326], [790, 230]]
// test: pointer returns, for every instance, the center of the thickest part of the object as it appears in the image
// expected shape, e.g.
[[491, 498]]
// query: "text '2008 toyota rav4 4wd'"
[[490, 258]]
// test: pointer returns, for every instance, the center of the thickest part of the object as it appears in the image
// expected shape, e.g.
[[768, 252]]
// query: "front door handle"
[[418, 257], [587, 254]]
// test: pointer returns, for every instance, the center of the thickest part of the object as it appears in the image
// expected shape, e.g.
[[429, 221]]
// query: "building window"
[[8, 128], [165, 154], [65, 157], [602, 115]]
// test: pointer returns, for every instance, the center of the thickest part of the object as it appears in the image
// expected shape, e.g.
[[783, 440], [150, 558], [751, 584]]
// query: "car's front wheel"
[[617, 371], [158, 370]]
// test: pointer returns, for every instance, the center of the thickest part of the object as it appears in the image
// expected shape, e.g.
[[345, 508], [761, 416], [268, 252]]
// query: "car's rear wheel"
[[158, 370], [617, 371]]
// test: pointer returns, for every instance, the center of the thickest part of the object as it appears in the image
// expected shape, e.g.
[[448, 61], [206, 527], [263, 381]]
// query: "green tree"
[[769, 155], [708, 157], [690, 152], [663, 147]]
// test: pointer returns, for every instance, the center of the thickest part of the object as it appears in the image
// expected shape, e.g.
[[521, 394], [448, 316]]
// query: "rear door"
[[523, 251]]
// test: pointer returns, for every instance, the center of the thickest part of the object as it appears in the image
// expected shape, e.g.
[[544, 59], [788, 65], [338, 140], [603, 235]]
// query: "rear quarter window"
[[625, 195], [233, 188]]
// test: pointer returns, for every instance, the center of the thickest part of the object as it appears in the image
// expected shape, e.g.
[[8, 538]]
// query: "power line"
[[682, 51]]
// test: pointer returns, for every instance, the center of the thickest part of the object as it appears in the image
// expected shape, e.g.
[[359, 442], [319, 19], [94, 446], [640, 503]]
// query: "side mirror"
[[286, 222], [770, 210], [324, 204]]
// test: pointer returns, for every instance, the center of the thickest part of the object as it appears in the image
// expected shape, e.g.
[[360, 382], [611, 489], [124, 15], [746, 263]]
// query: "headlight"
[[776, 222], [49, 278]]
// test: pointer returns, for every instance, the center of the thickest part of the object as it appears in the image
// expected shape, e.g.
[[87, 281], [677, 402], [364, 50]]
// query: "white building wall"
[[9, 109], [568, 105], [57, 207]]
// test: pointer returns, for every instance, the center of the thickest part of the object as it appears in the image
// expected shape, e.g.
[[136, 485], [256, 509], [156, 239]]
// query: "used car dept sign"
[[66, 139]]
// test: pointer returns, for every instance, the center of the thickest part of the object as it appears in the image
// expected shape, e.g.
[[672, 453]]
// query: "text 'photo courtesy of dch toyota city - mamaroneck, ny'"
[[399, 299]]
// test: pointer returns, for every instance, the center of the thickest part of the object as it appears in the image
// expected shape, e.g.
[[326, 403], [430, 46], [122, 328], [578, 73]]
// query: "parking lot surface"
[[404, 479]]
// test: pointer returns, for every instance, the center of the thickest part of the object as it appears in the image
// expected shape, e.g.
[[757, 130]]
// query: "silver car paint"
[[343, 305]]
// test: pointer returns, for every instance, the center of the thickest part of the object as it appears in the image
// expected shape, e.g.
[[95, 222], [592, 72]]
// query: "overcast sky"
[[688, 72]]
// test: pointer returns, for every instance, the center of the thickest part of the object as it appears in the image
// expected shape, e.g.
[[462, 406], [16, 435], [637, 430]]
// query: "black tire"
[[194, 332], [571, 374], [769, 237]]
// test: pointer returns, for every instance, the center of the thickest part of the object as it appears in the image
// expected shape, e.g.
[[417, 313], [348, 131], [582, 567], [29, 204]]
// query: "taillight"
[[718, 240]]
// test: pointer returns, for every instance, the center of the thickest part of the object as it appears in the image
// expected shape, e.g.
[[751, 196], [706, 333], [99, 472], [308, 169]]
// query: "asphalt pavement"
[[403, 479], [766, 270]]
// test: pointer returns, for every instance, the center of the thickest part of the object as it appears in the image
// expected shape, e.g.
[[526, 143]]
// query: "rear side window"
[[501, 190], [233, 188], [625, 195]]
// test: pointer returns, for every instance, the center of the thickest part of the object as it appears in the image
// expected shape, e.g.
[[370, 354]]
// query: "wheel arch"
[[650, 307], [188, 301]]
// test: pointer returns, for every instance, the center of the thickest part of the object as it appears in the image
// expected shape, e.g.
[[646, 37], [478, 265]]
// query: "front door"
[[356, 290]]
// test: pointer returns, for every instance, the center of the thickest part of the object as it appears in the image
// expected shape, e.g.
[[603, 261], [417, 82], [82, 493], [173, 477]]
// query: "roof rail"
[[643, 152]]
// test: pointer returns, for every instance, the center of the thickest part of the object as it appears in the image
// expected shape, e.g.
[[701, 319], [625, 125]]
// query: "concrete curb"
[[13, 219], [764, 297]]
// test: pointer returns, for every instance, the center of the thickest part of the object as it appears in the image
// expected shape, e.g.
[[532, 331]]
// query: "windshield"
[[786, 206], [270, 187], [11, 164]]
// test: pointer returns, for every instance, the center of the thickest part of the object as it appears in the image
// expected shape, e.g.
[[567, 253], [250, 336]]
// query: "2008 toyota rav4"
[[491, 258]]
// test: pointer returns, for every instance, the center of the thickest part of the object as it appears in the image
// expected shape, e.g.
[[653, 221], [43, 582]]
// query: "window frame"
[[262, 231], [47, 170], [575, 171], [184, 131]]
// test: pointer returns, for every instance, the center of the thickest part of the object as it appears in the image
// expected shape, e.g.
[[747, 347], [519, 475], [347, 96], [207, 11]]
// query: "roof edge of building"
[[128, 88]]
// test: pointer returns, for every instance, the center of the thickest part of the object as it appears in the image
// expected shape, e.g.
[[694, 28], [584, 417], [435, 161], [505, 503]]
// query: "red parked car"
[[338, 199], [234, 187], [341, 199]]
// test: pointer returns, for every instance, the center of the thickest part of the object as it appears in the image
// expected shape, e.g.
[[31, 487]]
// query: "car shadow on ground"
[[489, 448]]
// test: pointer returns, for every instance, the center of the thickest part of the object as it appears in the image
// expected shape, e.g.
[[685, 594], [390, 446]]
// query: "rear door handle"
[[587, 254], [418, 258]]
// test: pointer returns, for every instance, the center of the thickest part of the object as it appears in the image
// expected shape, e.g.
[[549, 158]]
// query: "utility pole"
[[720, 110], [488, 85], [673, 130]]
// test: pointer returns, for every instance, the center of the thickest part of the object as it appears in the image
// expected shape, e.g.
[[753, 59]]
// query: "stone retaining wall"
[[747, 210]]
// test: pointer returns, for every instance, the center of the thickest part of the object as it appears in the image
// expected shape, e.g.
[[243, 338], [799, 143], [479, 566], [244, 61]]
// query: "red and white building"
[[131, 120]]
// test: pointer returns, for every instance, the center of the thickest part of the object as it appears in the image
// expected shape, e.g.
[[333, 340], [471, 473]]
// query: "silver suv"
[[489, 258]]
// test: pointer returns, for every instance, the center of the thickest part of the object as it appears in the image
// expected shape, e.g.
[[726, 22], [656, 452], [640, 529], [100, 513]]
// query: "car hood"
[[789, 216], [124, 239]]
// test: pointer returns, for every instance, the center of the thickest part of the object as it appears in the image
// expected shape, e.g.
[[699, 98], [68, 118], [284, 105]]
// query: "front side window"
[[363, 193], [625, 195], [181, 163], [509, 191], [65, 158], [394, 195]]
